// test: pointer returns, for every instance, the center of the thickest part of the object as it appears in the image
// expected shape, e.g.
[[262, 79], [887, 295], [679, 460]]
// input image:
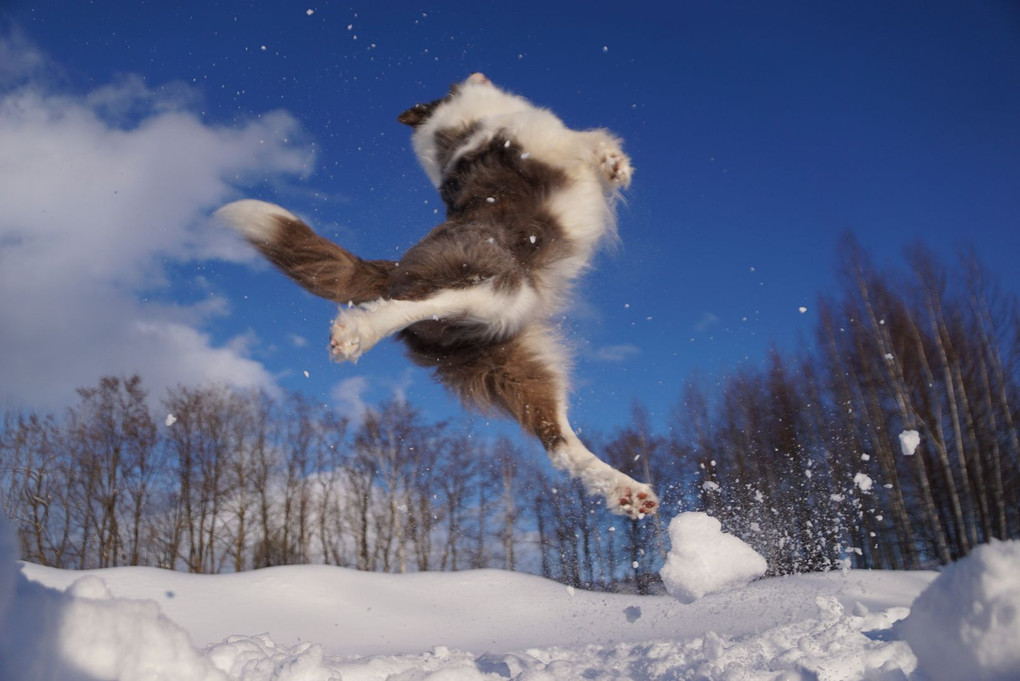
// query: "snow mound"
[[966, 624], [85, 634], [327, 623], [703, 559]]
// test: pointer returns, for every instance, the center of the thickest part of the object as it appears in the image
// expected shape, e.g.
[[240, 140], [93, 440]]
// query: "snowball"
[[966, 624], [909, 440], [703, 559]]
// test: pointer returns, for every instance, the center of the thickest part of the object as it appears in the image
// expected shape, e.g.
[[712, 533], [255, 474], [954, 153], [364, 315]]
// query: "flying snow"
[[863, 482], [909, 440], [703, 559]]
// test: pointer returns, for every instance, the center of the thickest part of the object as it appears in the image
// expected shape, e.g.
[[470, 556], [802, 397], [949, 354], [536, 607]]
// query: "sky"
[[760, 133]]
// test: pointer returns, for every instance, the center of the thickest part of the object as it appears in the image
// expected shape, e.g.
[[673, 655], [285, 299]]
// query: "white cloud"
[[100, 193], [19, 59], [706, 322], [616, 353], [349, 397]]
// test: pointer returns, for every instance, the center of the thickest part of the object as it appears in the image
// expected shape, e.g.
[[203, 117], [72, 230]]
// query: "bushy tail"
[[316, 263]]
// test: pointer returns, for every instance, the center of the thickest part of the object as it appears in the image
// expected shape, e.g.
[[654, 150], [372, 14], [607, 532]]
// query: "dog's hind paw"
[[634, 500]]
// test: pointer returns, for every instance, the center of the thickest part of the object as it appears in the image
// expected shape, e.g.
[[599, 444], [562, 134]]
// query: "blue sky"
[[761, 132]]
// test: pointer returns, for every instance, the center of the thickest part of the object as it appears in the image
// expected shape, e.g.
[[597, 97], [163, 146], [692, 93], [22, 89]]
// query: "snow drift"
[[315, 623], [966, 624]]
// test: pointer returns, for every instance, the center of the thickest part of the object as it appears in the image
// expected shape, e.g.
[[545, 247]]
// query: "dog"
[[528, 202]]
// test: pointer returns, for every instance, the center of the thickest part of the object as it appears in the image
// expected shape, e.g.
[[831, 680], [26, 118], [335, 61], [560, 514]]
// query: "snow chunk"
[[259, 658], [909, 440], [170, 420], [863, 482], [703, 559], [966, 624]]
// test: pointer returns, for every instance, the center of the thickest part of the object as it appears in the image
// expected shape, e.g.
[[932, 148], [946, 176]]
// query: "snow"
[[909, 440], [317, 623], [966, 624], [863, 482], [703, 559]]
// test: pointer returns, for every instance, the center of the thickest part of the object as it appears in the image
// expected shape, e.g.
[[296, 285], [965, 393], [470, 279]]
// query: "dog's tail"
[[316, 263]]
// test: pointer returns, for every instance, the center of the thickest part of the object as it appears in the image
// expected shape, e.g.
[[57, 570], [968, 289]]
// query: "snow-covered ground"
[[314, 623]]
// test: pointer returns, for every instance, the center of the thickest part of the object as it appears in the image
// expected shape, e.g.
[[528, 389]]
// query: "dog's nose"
[[479, 79]]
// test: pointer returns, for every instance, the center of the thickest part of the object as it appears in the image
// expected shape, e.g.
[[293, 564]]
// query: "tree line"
[[802, 457]]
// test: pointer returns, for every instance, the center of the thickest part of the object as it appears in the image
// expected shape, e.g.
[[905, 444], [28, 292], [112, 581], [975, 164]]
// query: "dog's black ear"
[[413, 116], [417, 114]]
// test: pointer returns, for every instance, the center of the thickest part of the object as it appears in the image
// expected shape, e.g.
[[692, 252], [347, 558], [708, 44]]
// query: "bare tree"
[[201, 445]]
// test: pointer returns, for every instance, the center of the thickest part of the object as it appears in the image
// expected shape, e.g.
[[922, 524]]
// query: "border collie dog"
[[528, 202]]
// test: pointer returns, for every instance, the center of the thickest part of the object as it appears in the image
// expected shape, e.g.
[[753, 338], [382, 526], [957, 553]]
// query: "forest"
[[889, 441]]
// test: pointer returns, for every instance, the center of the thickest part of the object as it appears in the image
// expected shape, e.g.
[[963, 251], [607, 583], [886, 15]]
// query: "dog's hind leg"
[[525, 378]]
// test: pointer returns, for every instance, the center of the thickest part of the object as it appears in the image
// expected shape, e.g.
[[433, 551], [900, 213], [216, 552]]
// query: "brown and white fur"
[[528, 202]]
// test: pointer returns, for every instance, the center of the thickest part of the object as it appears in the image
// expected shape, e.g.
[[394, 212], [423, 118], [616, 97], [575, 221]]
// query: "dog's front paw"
[[615, 167], [350, 336], [634, 500]]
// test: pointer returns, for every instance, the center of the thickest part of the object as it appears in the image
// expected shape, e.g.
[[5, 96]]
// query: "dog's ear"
[[417, 114]]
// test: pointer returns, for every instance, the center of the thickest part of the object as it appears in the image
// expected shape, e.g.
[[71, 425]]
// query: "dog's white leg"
[[356, 330], [623, 494]]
